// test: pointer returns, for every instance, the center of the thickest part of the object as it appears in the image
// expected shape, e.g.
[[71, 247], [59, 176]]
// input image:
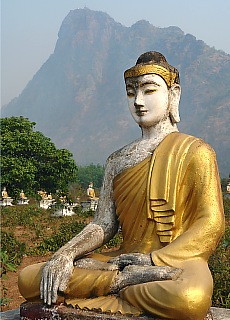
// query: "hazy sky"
[[30, 27]]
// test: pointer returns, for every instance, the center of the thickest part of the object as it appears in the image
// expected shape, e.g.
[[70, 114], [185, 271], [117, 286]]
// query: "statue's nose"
[[138, 102]]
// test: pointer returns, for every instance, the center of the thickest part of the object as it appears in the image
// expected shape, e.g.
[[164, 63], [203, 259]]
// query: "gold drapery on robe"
[[169, 169], [169, 205], [187, 168], [130, 194]]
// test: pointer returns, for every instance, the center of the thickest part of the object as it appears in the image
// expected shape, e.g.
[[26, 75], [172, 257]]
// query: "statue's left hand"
[[132, 259], [55, 277]]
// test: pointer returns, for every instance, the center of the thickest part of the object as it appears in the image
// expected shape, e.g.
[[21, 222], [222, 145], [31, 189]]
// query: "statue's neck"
[[159, 131]]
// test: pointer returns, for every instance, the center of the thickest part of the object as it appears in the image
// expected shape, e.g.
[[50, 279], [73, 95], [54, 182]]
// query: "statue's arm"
[[57, 271], [105, 215], [103, 227]]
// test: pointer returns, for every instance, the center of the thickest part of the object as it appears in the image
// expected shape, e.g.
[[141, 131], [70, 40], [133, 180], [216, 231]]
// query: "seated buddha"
[[163, 191]]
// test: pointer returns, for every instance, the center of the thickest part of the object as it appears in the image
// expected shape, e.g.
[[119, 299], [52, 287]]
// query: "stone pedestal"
[[46, 204], [6, 202], [63, 212], [89, 205], [23, 201], [37, 311]]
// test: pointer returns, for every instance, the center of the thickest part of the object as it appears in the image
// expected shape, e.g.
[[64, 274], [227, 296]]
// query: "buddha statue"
[[163, 191], [22, 198], [6, 200], [4, 193], [91, 192], [49, 197], [22, 195]]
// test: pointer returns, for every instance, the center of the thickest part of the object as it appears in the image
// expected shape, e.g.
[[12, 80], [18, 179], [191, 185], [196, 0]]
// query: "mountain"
[[77, 98]]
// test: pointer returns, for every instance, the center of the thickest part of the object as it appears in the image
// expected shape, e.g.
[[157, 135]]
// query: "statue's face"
[[148, 99]]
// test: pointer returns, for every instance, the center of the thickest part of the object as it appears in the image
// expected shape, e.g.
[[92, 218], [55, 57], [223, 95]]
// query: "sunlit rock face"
[[78, 99]]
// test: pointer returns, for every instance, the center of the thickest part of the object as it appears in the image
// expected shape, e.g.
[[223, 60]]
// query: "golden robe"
[[169, 205]]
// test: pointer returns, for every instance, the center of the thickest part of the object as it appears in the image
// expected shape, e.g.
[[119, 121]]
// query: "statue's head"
[[153, 84]]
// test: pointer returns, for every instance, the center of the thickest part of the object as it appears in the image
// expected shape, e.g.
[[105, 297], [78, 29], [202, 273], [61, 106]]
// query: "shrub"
[[114, 242], [66, 232], [6, 265], [219, 265], [22, 215], [12, 248], [227, 207]]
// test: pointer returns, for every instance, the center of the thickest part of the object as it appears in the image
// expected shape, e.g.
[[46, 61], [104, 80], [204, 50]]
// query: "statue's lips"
[[141, 112]]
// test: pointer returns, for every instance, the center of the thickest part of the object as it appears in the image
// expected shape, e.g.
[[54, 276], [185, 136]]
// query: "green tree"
[[90, 173], [30, 161]]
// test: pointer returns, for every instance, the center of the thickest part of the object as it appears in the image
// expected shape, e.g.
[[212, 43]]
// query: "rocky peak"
[[78, 99]]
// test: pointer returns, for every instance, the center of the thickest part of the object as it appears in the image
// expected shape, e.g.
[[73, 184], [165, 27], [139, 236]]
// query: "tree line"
[[31, 161]]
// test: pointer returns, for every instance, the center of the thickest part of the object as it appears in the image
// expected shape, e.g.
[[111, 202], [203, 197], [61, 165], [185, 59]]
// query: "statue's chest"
[[131, 158], [130, 188]]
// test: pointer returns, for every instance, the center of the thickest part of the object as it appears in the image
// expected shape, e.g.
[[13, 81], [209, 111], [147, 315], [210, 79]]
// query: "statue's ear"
[[174, 99]]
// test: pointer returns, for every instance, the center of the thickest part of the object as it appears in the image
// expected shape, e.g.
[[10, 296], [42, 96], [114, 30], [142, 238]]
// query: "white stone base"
[[6, 202], [46, 204]]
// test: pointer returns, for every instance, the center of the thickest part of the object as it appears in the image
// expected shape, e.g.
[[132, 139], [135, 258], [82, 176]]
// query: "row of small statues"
[[7, 201], [91, 202], [47, 202], [45, 196]]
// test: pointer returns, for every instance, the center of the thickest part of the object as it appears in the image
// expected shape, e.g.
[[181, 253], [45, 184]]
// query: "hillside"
[[77, 98]]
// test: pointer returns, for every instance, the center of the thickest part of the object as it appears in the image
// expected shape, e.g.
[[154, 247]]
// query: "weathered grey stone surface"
[[10, 315], [218, 314]]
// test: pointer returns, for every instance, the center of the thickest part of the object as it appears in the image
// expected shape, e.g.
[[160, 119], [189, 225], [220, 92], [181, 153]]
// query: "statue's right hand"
[[55, 277]]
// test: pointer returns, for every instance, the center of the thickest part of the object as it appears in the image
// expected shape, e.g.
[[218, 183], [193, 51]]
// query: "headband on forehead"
[[154, 63], [141, 70]]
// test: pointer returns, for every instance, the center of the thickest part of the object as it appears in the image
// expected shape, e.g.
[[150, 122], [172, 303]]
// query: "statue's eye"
[[130, 93], [150, 91]]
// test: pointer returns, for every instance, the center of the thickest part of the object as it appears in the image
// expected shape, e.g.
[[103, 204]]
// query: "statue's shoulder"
[[122, 152], [181, 143], [187, 142], [199, 143]]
